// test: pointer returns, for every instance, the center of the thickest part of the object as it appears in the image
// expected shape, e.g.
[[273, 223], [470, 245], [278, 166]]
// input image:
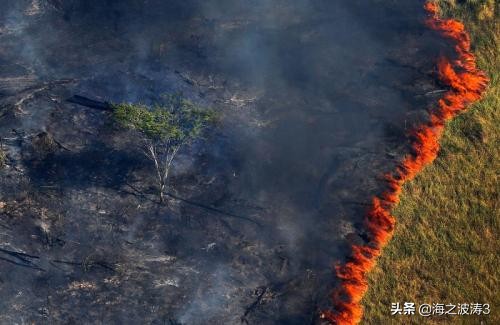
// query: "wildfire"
[[466, 84]]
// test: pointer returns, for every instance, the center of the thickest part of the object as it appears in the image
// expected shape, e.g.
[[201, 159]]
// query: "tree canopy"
[[174, 120]]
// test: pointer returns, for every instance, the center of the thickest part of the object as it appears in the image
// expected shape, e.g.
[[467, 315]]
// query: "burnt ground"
[[316, 99]]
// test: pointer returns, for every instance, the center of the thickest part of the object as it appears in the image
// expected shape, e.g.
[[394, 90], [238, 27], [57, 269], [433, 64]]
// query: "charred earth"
[[315, 98]]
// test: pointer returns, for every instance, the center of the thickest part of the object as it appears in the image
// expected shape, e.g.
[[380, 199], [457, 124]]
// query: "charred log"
[[90, 103]]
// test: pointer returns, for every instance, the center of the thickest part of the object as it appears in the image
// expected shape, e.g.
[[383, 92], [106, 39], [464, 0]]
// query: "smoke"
[[466, 84], [207, 305], [315, 95]]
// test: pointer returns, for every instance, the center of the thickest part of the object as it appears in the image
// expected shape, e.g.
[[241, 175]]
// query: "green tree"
[[164, 129]]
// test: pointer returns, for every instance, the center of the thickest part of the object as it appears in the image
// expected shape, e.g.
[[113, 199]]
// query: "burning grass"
[[445, 245], [466, 85]]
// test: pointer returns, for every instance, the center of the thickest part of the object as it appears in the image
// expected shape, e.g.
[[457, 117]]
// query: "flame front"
[[466, 84]]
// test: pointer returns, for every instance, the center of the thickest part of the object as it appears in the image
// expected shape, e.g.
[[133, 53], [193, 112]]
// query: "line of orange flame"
[[466, 84]]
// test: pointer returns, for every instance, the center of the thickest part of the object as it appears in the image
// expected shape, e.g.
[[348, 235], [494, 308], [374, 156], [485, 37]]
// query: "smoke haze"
[[316, 98]]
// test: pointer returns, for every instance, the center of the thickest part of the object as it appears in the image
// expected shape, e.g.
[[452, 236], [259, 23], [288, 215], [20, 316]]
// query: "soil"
[[317, 99]]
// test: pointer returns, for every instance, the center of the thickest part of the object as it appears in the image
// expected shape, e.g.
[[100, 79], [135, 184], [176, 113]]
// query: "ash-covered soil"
[[316, 99]]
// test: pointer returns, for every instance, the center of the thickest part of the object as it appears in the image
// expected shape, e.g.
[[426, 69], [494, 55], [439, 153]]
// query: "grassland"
[[446, 245]]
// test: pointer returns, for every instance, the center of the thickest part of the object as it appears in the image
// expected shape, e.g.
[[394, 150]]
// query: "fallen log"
[[254, 305], [104, 265], [30, 265], [20, 259], [87, 102], [19, 255]]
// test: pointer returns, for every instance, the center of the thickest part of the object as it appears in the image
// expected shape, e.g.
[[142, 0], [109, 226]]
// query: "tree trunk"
[[162, 192]]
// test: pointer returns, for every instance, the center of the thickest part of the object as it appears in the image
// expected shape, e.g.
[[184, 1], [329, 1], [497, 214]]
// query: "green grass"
[[445, 248]]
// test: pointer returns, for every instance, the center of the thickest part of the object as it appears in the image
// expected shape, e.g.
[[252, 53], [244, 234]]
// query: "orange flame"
[[466, 84]]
